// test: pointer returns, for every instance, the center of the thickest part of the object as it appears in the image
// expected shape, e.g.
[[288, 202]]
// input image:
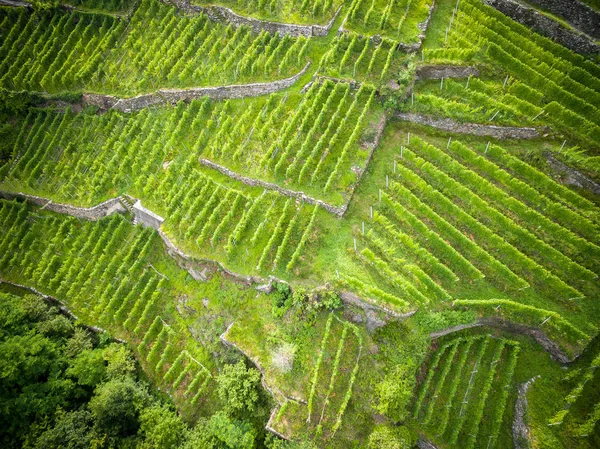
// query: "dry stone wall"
[[109, 207], [139, 102], [520, 430], [436, 72], [61, 307], [172, 96], [577, 13], [571, 176], [226, 15], [339, 211], [537, 334], [548, 27], [446, 124], [232, 91]]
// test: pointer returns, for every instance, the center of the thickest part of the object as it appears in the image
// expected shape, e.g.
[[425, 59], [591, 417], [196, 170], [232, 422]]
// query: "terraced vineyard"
[[363, 223], [457, 370]]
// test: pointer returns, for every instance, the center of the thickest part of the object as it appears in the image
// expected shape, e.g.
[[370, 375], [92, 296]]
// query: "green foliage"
[[120, 362], [395, 392], [44, 5], [116, 405], [390, 437], [88, 367], [238, 389], [73, 430], [282, 298], [162, 427], [221, 432]]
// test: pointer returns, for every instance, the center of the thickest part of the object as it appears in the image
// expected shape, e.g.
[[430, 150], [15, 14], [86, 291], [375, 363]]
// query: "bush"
[[282, 299]]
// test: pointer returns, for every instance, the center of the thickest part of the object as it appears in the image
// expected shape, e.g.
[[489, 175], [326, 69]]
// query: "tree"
[[88, 367], [73, 430], [162, 428], [238, 388], [221, 432], [120, 361], [389, 437], [115, 407]]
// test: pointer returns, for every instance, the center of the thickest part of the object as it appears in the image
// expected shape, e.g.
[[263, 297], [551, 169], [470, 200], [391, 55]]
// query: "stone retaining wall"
[[425, 444], [104, 102], [579, 43], [520, 431], [570, 176], [92, 213], [232, 91], [515, 328], [407, 48], [146, 217], [226, 15], [436, 72], [139, 102], [497, 132], [61, 307], [577, 13], [353, 300], [172, 96], [339, 211], [15, 3]]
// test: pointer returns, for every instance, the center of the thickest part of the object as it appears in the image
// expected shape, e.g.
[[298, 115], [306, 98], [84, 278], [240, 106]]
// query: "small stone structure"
[[436, 72], [446, 124], [146, 217], [104, 209], [578, 42]]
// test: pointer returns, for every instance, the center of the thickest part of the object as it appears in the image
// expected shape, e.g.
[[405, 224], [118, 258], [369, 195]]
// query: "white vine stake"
[[505, 81], [468, 81], [487, 147], [401, 152], [562, 146], [449, 140], [354, 244], [412, 95], [363, 228], [538, 115], [371, 211], [408, 138], [394, 166], [442, 83], [387, 181]]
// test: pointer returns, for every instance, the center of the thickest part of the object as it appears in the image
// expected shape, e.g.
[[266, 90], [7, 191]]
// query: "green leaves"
[[238, 389]]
